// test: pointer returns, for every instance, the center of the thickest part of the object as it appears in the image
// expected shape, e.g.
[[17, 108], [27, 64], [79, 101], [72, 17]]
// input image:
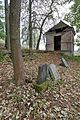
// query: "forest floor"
[[60, 102]]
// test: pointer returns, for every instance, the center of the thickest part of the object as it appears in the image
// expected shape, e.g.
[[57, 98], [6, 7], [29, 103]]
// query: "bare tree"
[[17, 60], [41, 14], [30, 24], [41, 28], [7, 37]]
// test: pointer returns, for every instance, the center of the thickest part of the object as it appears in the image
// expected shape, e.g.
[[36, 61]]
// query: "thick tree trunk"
[[30, 25], [15, 6], [7, 38]]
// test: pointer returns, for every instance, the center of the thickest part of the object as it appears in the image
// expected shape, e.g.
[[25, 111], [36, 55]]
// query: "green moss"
[[42, 87]]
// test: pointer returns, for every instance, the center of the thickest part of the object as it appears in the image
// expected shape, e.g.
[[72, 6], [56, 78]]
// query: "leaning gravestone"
[[53, 72], [64, 62], [45, 74]]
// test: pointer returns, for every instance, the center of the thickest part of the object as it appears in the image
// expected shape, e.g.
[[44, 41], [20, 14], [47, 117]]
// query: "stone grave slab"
[[64, 62], [54, 74], [42, 74]]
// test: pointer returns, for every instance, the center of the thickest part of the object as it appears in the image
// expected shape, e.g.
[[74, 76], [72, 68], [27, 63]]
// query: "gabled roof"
[[60, 25]]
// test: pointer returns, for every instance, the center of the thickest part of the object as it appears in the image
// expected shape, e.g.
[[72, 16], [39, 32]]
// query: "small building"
[[60, 38]]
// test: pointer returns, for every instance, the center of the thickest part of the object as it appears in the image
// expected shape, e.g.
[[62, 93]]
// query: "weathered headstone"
[[64, 62], [42, 74], [45, 74], [53, 72]]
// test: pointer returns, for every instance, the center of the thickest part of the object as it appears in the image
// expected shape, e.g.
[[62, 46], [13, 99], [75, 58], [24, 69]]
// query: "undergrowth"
[[2, 57], [72, 58]]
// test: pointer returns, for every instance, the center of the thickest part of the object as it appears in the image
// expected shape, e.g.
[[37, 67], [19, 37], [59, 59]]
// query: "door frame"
[[57, 42]]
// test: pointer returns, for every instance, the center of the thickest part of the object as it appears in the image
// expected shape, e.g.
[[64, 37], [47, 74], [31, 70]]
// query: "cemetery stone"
[[42, 74], [64, 62], [54, 72]]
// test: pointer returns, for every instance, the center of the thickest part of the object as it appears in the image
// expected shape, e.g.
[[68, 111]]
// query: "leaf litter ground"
[[60, 102]]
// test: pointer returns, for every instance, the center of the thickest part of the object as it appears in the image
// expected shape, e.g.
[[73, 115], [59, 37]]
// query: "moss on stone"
[[41, 87]]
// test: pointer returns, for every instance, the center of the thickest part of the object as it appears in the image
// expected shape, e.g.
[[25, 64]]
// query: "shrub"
[[2, 57]]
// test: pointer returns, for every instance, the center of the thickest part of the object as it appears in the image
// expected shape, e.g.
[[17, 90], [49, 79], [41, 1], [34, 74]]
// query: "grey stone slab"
[[47, 72], [54, 74], [64, 62], [42, 74]]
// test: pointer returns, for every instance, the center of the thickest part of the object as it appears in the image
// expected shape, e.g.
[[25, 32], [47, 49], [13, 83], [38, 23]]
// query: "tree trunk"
[[15, 6], [42, 29], [37, 48], [30, 25], [43, 24], [41, 32], [7, 38]]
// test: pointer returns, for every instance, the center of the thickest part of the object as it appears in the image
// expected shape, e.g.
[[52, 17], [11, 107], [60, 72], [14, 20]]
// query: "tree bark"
[[17, 60], [30, 25], [7, 38]]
